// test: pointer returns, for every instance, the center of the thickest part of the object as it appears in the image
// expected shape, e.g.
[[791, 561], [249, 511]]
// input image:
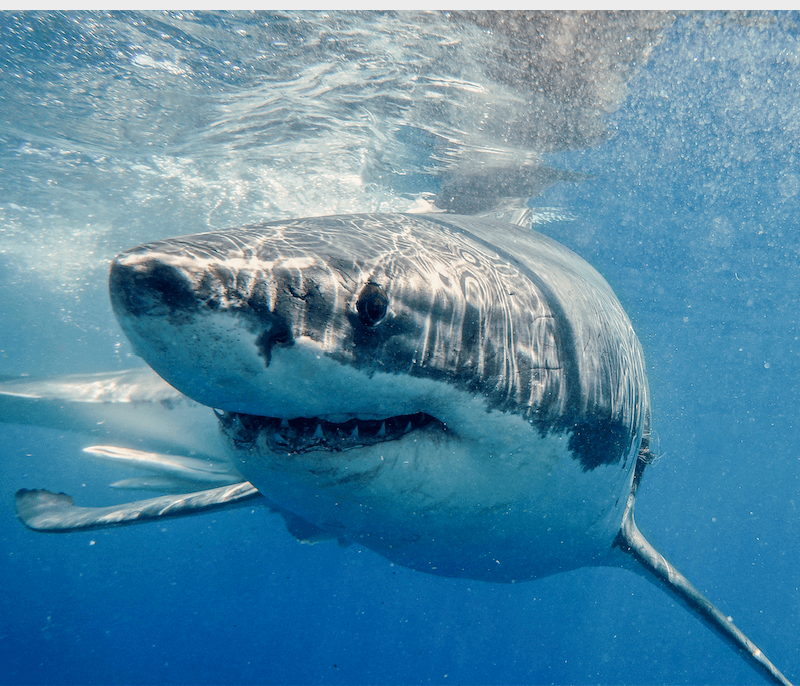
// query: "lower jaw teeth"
[[302, 435]]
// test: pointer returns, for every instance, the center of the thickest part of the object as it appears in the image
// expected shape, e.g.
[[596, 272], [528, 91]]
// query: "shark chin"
[[432, 499], [462, 396]]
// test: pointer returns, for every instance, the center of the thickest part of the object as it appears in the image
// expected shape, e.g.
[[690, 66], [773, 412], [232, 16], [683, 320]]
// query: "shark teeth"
[[301, 434]]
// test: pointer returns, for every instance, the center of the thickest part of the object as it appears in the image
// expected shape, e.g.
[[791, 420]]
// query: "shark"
[[463, 396]]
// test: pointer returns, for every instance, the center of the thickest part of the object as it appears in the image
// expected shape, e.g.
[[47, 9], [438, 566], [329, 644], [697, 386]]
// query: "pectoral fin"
[[658, 570], [174, 473], [55, 512]]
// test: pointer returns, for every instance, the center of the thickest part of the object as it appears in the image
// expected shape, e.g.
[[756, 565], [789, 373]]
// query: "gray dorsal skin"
[[463, 397]]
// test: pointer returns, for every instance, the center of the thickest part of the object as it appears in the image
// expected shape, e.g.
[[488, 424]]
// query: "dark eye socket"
[[372, 305]]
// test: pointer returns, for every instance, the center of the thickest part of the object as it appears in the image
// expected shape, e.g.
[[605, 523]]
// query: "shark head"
[[466, 398]]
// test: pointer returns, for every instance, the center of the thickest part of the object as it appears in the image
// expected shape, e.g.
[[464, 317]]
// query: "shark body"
[[464, 397]]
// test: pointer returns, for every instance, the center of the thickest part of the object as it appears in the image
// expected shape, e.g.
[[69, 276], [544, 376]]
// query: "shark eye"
[[372, 305]]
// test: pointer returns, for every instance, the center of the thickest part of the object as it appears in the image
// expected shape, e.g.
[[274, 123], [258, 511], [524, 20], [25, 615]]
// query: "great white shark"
[[465, 397]]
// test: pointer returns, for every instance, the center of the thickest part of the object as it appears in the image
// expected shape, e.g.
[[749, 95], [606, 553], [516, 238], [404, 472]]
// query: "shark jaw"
[[302, 435], [423, 473], [435, 501]]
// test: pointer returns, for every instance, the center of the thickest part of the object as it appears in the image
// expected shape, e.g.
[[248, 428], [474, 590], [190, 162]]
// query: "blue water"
[[122, 128]]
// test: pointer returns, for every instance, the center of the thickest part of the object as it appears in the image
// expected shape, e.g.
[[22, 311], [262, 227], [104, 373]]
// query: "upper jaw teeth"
[[301, 434], [341, 418]]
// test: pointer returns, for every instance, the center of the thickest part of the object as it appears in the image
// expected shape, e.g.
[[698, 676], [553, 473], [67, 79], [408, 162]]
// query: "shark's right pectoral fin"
[[657, 569], [55, 512]]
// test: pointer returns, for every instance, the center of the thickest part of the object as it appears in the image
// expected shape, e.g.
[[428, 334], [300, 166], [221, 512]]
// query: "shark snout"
[[149, 287]]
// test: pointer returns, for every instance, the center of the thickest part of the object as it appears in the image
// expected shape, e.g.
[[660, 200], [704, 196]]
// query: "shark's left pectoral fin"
[[658, 570], [55, 512]]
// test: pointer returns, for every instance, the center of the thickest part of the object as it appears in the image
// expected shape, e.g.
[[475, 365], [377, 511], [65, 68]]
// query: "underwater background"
[[665, 150]]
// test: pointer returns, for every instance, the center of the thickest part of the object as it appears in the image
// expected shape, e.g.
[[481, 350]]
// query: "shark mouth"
[[303, 435]]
